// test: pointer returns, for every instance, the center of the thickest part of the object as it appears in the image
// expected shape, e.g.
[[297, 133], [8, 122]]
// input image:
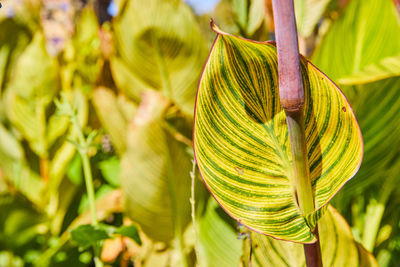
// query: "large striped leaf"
[[338, 247], [241, 138], [360, 45], [159, 42]]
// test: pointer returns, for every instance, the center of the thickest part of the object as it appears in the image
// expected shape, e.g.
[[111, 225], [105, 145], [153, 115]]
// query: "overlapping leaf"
[[363, 44], [380, 126], [164, 50], [218, 241], [155, 173], [110, 112], [13, 39], [31, 80], [241, 138], [65, 153], [15, 169], [338, 247], [308, 14]]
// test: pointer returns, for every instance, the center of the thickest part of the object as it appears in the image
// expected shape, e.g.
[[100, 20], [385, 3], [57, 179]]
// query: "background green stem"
[[83, 146], [89, 186], [87, 171]]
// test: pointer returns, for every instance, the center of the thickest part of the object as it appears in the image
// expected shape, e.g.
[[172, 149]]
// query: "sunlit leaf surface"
[[338, 247], [241, 138], [155, 173], [308, 14], [363, 44], [163, 51]]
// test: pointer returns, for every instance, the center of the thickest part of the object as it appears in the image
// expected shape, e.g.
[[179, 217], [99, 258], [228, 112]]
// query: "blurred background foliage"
[[130, 69]]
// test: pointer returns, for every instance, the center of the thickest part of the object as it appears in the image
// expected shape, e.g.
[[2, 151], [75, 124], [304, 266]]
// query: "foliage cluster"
[[131, 84]]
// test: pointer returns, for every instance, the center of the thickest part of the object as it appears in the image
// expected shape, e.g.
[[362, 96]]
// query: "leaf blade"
[[241, 139], [338, 246]]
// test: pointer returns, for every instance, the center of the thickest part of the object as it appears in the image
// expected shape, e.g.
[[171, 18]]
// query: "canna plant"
[[274, 156], [142, 91]]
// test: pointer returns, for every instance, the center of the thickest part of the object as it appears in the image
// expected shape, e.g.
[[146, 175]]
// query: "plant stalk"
[[291, 94], [87, 171]]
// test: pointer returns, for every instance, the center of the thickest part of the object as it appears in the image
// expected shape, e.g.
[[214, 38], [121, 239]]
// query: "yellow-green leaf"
[[65, 153], [32, 85], [35, 73], [155, 172], [13, 39], [126, 81], [338, 247], [384, 68], [241, 138], [112, 118], [308, 13], [87, 60], [15, 170], [361, 40], [160, 43], [381, 127], [218, 240]]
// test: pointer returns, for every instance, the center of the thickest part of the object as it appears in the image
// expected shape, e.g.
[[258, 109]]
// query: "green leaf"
[[218, 241], [240, 10], [15, 168], [13, 39], [74, 171], [126, 81], [35, 73], [241, 138], [65, 153], [56, 127], [112, 118], [131, 232], [87, 60], [20, 222], [88, 235], [384, 68], [257, 13], [381, 127], [7, 258], [164, 51], [308, 14], [155, 173], [110, 169], [10, 146], [30, 91], [338, 247], [358, 49]]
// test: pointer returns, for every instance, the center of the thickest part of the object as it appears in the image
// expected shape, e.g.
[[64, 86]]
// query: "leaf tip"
[[215, 28], [212, 24]]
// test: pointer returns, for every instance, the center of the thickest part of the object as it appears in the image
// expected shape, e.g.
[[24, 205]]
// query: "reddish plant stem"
[[291, 94], [290, 80], [313, 252]]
